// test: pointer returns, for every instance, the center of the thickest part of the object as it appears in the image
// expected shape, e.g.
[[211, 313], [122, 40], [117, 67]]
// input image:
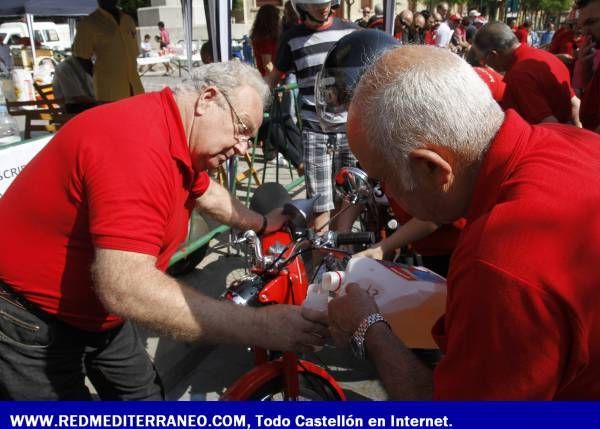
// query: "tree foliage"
[[546, 5]]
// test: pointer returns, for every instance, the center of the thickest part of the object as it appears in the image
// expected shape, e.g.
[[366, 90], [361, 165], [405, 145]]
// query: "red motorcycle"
[[279, 274]]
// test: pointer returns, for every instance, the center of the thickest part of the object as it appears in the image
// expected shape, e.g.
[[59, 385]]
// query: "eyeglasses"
[[241, 132]]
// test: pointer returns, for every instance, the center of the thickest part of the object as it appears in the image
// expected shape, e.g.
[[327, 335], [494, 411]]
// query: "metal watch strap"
[[359, 335]]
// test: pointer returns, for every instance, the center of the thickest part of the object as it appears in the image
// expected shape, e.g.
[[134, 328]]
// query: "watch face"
[[356, 347]]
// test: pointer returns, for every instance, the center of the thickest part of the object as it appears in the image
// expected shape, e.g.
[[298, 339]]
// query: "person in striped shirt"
[[302, 50]]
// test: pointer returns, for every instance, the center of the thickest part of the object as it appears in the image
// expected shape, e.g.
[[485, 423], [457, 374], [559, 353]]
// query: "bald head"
[[406, 15], [419, 21], [430, 97], [495, 36]]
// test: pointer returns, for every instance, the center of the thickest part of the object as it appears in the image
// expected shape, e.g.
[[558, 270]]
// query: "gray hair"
[[227, 76], [495, 36], [435, 98]]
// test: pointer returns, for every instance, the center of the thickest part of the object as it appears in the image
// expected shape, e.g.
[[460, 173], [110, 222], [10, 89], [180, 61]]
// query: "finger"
[[314, 315], [319, 330], [310, 340]]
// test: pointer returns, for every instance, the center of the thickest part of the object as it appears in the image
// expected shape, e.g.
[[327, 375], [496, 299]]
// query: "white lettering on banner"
[[329, 422], [13, 160], [129, 421]]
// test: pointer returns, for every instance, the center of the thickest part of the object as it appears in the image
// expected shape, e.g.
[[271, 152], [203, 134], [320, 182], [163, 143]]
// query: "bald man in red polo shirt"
[[589, 19], [521, 317], [538, 84]]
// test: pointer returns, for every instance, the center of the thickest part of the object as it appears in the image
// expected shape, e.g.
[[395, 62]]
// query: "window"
[[37, 36], [51, 35]]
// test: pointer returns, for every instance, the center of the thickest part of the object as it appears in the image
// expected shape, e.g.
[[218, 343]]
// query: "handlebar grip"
[[355, 238]]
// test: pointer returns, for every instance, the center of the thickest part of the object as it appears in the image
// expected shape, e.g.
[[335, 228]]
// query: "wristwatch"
[[357, 341]]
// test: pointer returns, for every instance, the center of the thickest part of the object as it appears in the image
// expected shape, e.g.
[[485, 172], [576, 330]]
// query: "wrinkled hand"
[[275, 220], [374, 252], [347, 311], [286, 329]]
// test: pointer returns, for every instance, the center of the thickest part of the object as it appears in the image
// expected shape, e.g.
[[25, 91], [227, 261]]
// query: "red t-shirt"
[[118, 176], [563, 42], [430, 37], [522, 34], [522, 319], [263, 46], [538, 85], [589, 112], [494, 81]]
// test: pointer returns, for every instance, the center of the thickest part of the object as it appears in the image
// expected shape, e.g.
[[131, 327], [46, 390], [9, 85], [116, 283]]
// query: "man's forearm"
[[413, 230], [403, 376], [134, 289], [220, 205]]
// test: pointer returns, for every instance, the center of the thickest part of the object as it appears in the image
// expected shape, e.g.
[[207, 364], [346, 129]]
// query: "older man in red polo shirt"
[[589, 19], [521, 314], [538, 85], [89, 227]]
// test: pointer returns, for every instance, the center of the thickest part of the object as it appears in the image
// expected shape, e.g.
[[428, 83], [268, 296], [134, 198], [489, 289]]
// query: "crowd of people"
[[492, 155]]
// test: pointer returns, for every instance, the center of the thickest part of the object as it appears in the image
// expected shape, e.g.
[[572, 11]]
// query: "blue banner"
[[276, 415]]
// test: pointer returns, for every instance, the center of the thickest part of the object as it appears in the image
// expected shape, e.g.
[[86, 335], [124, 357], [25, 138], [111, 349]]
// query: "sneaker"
[[281, 161]]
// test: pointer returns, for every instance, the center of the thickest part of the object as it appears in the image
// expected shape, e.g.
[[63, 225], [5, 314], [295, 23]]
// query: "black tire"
[[312, 388], [189, 263], [269, 196]]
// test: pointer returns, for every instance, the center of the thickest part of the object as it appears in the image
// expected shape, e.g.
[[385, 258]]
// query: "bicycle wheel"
[[312, 388]]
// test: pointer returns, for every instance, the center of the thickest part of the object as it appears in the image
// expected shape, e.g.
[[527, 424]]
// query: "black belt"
[[8, 295]]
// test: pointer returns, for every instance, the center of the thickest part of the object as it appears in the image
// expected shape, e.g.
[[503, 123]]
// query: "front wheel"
[[312, 388]]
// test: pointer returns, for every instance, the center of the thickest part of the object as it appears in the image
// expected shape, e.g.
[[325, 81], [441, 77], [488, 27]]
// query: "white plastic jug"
[[411, 298]]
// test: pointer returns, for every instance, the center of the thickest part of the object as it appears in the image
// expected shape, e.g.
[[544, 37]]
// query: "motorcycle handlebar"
[[343, 238]]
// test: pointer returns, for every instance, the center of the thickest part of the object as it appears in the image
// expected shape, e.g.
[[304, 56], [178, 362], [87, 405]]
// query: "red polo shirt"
[[118, 176], [523, 288], [538, 85], [589, 112]]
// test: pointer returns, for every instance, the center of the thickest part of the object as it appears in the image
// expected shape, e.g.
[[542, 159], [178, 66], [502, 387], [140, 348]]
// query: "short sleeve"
[[201, 184], [504, 339], [83, 46], [69, 83]]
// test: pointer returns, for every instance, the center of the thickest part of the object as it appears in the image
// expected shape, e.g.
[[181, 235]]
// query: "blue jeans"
[[43, 358]]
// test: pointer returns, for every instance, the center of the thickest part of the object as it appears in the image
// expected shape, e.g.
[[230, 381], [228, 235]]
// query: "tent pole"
[[186, 11], [389, 8], [29, 19]]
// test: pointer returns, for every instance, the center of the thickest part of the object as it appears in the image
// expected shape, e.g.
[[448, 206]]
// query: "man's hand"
[[374, 252], [275, 220], [348, 311], [286, 329]]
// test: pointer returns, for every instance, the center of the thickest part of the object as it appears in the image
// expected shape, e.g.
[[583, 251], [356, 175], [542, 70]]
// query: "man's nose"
[[241, 147]]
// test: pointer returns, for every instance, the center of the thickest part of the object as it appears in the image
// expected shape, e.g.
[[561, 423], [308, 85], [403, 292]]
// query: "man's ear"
[[208, 94], [430, 168]]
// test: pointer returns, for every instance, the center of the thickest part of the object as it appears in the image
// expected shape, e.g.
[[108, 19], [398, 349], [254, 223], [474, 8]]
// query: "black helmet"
[[301, 7], [342, 69]]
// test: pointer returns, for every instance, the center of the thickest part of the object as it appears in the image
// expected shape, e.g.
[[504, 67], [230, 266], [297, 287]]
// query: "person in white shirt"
[[443, 32], [74, 84], [146, 51]]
